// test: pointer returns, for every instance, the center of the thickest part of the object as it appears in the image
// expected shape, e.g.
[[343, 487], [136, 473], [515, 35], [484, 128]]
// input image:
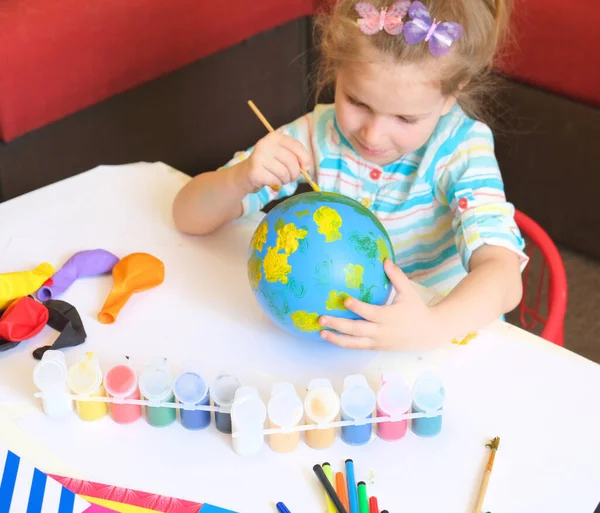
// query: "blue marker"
[[282, 508], [352, 490]]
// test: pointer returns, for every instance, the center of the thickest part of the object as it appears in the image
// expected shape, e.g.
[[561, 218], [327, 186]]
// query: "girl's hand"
[[275, 160], [407, 324]]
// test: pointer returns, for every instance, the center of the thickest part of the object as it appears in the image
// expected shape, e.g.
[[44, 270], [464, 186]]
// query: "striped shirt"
[[439, 203]]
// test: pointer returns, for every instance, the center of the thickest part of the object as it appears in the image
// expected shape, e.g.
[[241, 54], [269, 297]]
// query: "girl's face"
[[387, 110]]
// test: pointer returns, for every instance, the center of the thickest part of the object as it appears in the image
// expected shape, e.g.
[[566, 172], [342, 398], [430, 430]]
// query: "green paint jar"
[[156, 385]]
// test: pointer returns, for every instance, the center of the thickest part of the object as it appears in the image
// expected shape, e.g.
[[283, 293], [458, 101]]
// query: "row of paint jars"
[[287, 415], [121, 387], [243, 410]]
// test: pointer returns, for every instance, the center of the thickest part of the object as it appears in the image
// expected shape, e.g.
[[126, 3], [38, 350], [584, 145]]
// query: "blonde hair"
[[464, 72]]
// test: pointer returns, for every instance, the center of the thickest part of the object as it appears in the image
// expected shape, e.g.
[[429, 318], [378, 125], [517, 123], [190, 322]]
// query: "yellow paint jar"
[[85, 379], [322, 406]]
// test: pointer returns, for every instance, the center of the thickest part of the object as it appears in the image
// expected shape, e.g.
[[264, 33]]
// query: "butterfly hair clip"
[[389, 19], [439, 35]]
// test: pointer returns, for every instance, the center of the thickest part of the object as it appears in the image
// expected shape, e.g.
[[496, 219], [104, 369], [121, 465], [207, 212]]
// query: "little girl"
[[403, 138]]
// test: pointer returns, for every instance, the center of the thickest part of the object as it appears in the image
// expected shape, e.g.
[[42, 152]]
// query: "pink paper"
[[95, 508], [126, 496]]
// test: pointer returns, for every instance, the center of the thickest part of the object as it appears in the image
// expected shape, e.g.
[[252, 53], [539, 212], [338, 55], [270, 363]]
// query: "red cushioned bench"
[[113, 81], [60, 57], [548, 148]]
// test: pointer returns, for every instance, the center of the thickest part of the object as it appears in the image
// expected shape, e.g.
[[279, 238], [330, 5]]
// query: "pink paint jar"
[[121, 384], [394, 398]]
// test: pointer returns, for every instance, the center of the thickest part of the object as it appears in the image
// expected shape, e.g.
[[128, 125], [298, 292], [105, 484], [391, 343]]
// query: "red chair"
[[539, 240]]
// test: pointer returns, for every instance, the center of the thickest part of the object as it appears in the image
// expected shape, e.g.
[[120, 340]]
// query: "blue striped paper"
[[26, 489]]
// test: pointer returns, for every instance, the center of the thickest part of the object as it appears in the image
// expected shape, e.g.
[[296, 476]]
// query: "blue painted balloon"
[[312, 251]]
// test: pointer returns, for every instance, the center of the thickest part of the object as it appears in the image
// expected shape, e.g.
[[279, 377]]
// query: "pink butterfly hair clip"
[[440, 36], [372, 21]]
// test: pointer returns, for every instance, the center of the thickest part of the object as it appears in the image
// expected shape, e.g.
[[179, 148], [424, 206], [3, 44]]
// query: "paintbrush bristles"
[[494, 444]]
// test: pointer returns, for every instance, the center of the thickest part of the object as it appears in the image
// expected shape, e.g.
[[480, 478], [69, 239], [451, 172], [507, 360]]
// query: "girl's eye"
[[356, 102], [408, 121]]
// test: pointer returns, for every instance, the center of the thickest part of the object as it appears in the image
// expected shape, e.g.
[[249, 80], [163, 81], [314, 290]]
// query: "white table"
[[543, 401]]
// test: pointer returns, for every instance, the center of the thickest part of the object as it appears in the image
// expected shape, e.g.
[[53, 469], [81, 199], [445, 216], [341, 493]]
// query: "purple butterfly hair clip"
[[439, 35], [372, 21]]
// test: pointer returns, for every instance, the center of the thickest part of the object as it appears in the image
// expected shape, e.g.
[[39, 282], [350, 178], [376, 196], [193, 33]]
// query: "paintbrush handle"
[[482, 490], [270, 128]]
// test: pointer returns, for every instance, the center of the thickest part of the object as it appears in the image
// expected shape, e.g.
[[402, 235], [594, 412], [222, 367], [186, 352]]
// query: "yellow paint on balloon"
[[306, 321], [275, 266], [260, 236], [287, 238], [354, 275], [329, 222], [383, 251], [254, 273], [336, 299]]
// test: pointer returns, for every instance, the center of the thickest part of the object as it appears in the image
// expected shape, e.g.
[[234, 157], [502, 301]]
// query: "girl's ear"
[[448, 104], [451, 99]]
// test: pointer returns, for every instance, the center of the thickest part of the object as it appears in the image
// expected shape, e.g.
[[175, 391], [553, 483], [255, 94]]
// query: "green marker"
[[363, 500]]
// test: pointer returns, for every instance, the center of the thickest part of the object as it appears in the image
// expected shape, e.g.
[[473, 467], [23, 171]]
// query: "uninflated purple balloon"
[[84, 264]]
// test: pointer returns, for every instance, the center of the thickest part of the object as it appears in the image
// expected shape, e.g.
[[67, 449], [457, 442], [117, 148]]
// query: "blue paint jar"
[[428, 397], [191, 390], [357, 404]]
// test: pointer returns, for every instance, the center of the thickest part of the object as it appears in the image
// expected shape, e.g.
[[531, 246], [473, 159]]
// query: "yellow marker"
[[327, 469], [85, 378]]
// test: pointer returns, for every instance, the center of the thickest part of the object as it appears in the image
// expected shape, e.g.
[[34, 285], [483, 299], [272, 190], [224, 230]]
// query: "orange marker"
[[341, 490]]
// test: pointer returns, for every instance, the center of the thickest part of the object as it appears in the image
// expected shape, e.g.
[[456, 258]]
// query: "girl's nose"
[[371, 132]]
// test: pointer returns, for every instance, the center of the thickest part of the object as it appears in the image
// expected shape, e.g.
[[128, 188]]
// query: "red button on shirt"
[[463, 203], [375, 174]]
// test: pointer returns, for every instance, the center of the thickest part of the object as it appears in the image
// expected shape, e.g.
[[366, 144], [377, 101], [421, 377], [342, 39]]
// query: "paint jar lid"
[[120, 381], [248, 410], [155, 381], [394, 396], [285, 407], [190, 388], [321, 403], [50, 374], [357, 400], [429, 393], [85, 376], [223, 388]]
